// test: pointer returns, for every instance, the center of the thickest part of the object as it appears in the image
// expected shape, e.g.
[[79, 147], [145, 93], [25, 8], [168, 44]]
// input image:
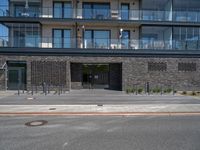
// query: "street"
[[93, 97], [101, 133]]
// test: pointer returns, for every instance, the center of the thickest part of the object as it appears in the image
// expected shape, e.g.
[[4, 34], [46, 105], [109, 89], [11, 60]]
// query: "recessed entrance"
[[16, 75], [95, 76]]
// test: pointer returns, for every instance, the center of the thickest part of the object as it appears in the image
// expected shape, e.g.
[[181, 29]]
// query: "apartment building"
[[112, 44]]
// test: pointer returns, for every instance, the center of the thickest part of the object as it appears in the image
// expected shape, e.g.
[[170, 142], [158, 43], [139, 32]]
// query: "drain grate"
[[36, 123]]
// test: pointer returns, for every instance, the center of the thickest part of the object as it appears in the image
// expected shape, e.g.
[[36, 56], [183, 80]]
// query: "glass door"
[[125, 11]]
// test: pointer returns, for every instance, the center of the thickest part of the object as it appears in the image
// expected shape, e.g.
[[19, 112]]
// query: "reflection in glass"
[[97, 39], [96, 10]]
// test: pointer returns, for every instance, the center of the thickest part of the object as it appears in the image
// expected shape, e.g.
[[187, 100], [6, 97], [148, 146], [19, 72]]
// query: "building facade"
[[111, 44]]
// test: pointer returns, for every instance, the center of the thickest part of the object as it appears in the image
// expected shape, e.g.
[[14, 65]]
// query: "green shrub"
[[168, 90], [128, 90], [140, 90], [156, 90], [193, 93], [184, 92]]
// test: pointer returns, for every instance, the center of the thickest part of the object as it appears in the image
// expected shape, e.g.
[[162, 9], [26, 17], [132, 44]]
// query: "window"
[[125, 11], [96, 10], [186, 38], [26, 35], [62, 10], [156, 37], [157, 66], [61, 38], [21, 11], [187, 67], [97, 39], [125, 39]]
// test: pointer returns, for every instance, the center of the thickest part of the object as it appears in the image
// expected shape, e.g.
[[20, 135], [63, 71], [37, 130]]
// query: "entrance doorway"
[[95, 76], [16, 75]]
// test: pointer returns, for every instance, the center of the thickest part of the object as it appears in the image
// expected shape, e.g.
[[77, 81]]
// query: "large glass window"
[[24, 35], [96, 10], [187, 10], [62, 10], [156, 10], [97, 39], [125, 39], [31, 11], [156, 37], [61, 38], [125, 11], [186, 37]]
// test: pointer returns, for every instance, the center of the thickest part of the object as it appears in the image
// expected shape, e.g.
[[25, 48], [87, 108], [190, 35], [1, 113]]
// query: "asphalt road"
[[90, 99], [101, 133]]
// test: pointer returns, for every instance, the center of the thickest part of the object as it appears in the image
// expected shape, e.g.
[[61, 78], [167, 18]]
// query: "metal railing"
[[114, 14], [98, 43]]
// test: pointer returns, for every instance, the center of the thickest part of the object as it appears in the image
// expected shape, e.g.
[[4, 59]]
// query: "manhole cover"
[[36, 123]]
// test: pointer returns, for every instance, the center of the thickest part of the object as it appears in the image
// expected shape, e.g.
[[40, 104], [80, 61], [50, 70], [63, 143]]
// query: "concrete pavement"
[[165, 109], [97, 102]]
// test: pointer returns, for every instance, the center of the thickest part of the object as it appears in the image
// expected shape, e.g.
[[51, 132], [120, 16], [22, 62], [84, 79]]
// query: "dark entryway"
[[95, 76], [16, 75]]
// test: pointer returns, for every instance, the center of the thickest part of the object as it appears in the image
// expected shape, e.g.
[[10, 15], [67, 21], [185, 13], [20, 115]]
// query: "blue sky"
[[3, 2]]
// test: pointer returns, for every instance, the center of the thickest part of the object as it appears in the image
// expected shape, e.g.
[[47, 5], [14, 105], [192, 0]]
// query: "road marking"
[[65, 144], [99, 113]]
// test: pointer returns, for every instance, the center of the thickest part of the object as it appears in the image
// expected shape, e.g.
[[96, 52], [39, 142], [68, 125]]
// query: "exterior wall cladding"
[[134, 71], [163, 46]]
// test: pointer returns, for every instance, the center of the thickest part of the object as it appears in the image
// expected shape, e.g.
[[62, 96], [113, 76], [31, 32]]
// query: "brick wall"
[[134, 70]]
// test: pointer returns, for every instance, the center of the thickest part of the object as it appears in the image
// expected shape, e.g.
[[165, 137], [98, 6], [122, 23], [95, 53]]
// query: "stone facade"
[[134, 70]]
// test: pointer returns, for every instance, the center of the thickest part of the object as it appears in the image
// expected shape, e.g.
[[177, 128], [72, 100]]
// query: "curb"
[[99, 114]]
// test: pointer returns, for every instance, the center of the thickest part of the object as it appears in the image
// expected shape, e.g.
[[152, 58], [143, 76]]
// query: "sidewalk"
[[159, 109]]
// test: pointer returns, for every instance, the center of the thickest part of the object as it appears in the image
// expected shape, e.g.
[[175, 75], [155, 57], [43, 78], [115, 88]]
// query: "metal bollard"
[[48, 88], [58, 90], [45, 89], [31, 89], [23, 88], [147, 88], [18, 90], [36, 90], [173, 90], [136, 89]]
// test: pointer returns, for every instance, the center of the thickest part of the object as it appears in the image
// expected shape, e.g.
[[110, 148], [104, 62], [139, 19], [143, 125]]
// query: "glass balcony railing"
[[36, 42], [143, 15]]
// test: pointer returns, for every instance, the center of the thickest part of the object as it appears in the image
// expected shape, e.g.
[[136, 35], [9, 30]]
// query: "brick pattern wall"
[[134, 70], [52, 73]]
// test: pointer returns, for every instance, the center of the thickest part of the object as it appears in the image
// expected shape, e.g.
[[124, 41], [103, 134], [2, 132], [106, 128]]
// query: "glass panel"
[[124, 11], [57, 41], [67, 41], [88, 39], [102, 39], [57, 10], [13, 76], [96, 10], [32, 39], [101, 11], [125, 39], [19, 10], [87, 11], [68, 10]]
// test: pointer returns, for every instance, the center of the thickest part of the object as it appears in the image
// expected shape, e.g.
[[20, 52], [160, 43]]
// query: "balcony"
[[104, 44], [102, 14]]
